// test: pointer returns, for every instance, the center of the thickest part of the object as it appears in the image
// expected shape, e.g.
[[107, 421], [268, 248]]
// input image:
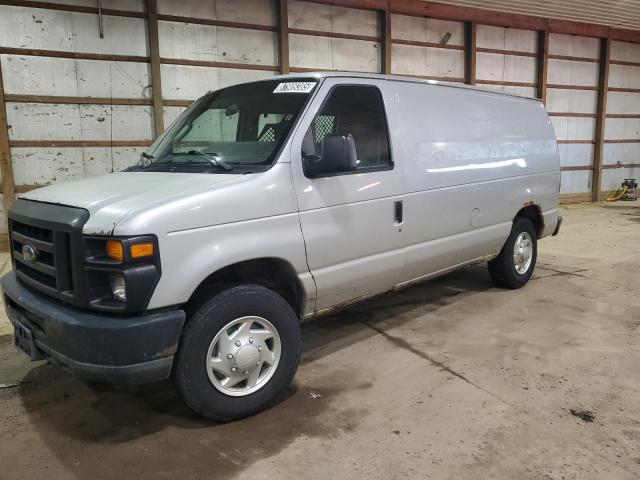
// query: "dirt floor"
[[449, 379]]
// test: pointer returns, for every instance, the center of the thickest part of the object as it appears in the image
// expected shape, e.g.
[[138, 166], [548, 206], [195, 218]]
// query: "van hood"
[[110, 197]]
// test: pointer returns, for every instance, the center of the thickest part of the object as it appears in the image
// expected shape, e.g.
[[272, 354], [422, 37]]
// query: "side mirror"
[[337, 155]]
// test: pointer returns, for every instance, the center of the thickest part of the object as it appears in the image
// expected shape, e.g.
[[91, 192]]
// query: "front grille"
[[53, 233], [44, 269]]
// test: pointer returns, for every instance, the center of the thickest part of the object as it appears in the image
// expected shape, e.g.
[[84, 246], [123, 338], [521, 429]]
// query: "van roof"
[[399, 78]]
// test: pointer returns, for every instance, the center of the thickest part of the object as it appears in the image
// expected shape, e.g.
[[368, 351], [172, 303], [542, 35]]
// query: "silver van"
[[267, 203]]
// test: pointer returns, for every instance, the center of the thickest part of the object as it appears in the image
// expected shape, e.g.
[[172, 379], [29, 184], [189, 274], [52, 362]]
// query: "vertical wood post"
[[6, 166], [154, 54], [283, 35], [601, 114], [470, 34], [385, 26], [542, 64]]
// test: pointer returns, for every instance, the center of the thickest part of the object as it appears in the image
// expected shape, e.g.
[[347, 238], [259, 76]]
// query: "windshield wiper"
[[144, 162], [213, 159]]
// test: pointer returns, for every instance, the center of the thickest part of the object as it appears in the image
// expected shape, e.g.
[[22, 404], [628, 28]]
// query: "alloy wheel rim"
[[243, 356], [523, 253]]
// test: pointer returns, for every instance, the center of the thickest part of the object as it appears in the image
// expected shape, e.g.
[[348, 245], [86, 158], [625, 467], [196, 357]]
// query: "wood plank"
[[217, 23], [385, 29], [78, 143], [283, 35], [314, 69], [621, 165], [499, 51], [417, 43], [572, 168], [583, 197], [572, 58], [623, 62], [177, 103], [470, 49], [28, 188], [601, 111], [37, 52], [623, 115], [72, 8], [604, 195], [6, 165], [578, 28], [322, 33], [481, 81], [61, 100], [623, 35], [562, 86], [209, 63], [357, 4], [572, 114], [433, 77], [576, 142], [624, 90], [623, 140], [156, 78]]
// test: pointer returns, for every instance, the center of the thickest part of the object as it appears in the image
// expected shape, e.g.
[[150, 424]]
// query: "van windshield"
[[238, 129]]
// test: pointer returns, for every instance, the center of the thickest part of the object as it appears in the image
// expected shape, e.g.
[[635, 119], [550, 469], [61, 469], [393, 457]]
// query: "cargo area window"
[[358, 111]]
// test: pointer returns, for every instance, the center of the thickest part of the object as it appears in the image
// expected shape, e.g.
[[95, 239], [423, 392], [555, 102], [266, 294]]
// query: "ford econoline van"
[[267, 203]]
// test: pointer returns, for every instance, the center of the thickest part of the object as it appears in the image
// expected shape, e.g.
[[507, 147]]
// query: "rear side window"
[[359, 111]]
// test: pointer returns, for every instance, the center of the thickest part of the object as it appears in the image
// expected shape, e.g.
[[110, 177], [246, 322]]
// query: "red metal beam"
[[504, 19]]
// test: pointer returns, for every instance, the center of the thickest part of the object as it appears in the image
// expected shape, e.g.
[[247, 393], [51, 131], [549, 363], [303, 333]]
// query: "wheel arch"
[[533, 212], [273, 273]]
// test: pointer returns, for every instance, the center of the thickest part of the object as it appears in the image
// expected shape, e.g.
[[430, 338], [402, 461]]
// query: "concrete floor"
[[449, 379]]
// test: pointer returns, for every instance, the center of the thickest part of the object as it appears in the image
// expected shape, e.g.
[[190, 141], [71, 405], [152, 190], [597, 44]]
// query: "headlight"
[[118, 287], [121, 272]]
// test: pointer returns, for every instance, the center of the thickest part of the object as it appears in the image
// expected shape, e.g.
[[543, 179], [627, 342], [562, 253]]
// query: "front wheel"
[[513, 267], [237, 353]]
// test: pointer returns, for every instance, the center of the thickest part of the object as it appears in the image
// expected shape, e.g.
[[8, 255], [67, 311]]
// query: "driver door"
[[351, 221]]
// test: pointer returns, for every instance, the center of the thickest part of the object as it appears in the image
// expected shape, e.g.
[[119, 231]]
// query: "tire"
[[502, 269], [201, 387]]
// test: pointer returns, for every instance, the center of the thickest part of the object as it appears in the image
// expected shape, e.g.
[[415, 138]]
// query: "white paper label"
[[294, 87]]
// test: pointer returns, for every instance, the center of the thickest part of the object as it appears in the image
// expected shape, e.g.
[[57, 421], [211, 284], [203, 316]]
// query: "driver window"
[[359, 111]]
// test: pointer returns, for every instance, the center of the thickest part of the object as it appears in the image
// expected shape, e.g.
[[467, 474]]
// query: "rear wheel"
[[513, 267], [237, 353]]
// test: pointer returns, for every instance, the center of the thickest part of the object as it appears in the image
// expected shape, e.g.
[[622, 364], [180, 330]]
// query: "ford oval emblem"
[[30, 253]]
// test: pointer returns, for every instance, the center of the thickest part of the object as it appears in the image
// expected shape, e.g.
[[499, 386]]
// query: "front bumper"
[[558, 225], [104, 348]]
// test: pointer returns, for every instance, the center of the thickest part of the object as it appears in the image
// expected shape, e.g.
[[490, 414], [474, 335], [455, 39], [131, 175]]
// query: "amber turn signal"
[[114, 250], [140, 250]]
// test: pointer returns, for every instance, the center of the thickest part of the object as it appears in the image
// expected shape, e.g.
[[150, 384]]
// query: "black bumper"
[[558, 225], [104, 348]]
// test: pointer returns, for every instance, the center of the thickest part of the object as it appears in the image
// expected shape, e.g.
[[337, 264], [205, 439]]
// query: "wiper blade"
[[212, 159]]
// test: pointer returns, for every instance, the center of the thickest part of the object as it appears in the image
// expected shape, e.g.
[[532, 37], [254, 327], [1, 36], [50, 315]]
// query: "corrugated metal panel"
[[613, 13]]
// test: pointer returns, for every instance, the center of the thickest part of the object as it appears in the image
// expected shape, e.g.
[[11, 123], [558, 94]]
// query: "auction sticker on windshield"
[[294, 87]]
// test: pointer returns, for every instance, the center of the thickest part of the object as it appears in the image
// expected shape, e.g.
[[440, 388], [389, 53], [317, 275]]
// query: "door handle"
[[397, 212]]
